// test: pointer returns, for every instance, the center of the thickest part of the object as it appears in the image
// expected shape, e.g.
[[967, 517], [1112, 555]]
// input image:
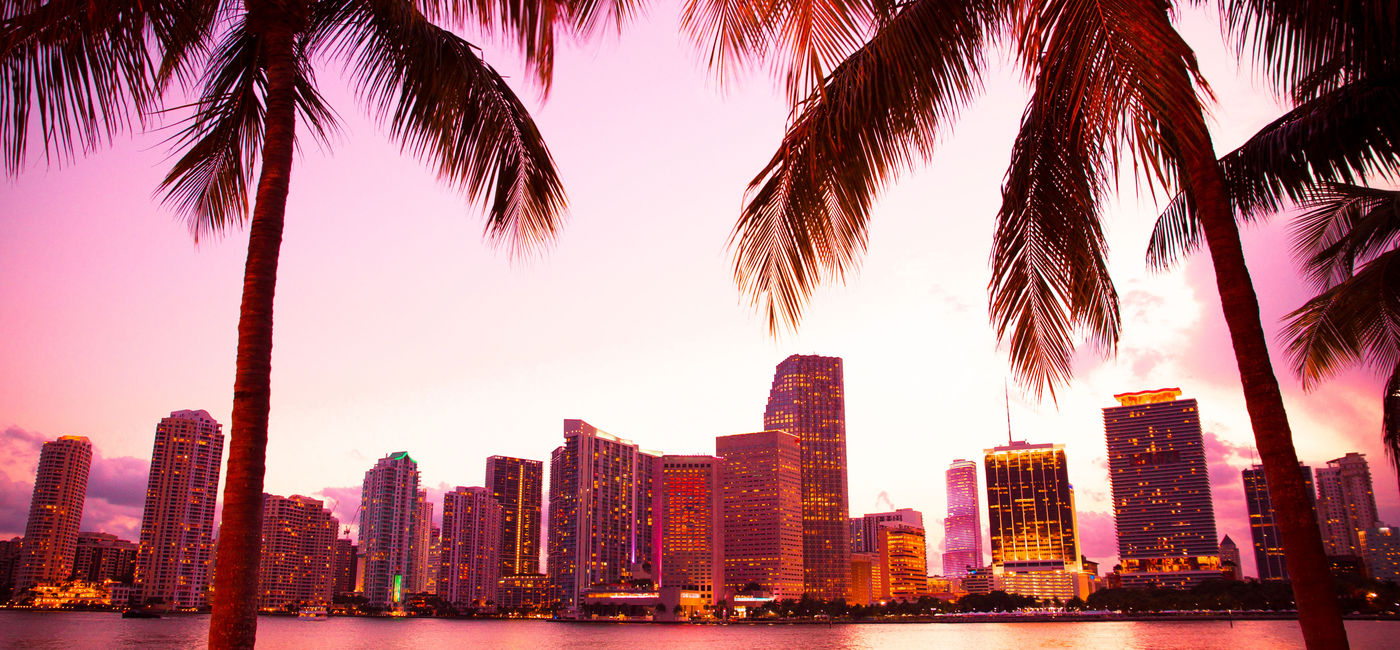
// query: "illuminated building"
[[867, 584], [1345, 503], [1268, 548], [298, 552], [525, 592], [869, 527], [9, 558], [1380, 550], [100, 557], [177, 524], [600, 512], [1230, 559], [517, 484], [691, 530], [471, 546], [903, 560], [761, 479], [808, 400], [422, 572], [56, 509], [962, 528], [1162, 505], [387, 526], [346, 565], [1030, 511]]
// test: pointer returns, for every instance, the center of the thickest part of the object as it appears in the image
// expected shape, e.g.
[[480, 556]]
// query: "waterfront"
[[44, 630]]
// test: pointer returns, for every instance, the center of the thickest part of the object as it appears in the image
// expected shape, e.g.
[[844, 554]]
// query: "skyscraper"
[[387, 524], [55, 511], [962, 529], [761, 479], [517, 484], [1345, 503], [1162, 504], [101, 556], [903, 560], [808, 400], [600, 518], [1030, 511], [1268, 548], [177, 524], [298, 552], [422, 574], [471, 546], [691, 530], [346, 561]]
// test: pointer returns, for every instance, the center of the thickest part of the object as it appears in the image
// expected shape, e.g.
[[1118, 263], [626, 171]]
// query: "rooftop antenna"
[[1006, 392]]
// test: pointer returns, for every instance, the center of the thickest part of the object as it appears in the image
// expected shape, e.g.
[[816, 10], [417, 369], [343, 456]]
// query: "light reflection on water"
[[104, 630]]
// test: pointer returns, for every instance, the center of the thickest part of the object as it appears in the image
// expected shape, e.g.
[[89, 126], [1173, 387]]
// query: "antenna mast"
[[1006, 392]]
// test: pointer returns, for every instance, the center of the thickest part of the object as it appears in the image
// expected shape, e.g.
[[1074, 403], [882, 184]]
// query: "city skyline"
[[911, 325]]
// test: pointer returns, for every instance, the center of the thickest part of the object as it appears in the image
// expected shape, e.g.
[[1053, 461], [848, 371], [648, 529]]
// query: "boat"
[[312, 613], [139, 613]]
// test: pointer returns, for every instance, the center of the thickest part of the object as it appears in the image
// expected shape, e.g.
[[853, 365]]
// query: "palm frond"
[[1312, 47], [1345, 225], [82, 69], [732, 30], [1390, 419], [209, 183], [1341, 137], [453, 110], [1101, 91], [879, 112], [1357, 320]]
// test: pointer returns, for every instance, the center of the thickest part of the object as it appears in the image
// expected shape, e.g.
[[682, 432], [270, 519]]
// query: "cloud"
[[1098, 539], [116, 490], [14, 506]]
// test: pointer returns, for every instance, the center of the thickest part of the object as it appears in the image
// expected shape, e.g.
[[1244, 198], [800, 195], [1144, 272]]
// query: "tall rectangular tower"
[[808, 400], [761, 479], [388, 500], [962, 529], [471, 546], [177, 524], [55, 511], [1162, 505], [690, 533], [346, 561], [1346, 504], [1268, 547], [298, 552], [1030, 511], [599, 515], [422, 573], [517, 484]]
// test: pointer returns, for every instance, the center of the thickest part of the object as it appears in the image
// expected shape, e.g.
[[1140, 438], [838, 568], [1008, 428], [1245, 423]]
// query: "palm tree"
[[1108, 77], [1349, 241], [88, 68]]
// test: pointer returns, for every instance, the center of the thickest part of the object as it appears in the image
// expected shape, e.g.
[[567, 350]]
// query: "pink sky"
[[397, 329]]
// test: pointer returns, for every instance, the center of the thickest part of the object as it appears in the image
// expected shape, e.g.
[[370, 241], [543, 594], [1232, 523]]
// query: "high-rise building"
[[869, 527], [298, 553], [346, 562], [1162, 504], [388, 513], [1346, 504], [471, 546], [517, 484], [56, 509], [101, 556], [691, 530], [600, 515], [808, 400], [1268, 547], [422, 573], [9, 561], [903, 560], [177, 524], [1030, 511], [761, 479], [867, 586], [962, 528], [1230, 559], [1380, 550]]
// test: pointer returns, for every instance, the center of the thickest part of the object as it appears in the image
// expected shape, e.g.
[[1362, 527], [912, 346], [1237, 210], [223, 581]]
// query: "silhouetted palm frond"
[[879, 112], [1357, 320]]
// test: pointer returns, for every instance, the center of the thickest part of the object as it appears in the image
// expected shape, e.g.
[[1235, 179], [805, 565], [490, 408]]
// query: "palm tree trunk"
[[1390, 419], [1318, 613], [235, 619]]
